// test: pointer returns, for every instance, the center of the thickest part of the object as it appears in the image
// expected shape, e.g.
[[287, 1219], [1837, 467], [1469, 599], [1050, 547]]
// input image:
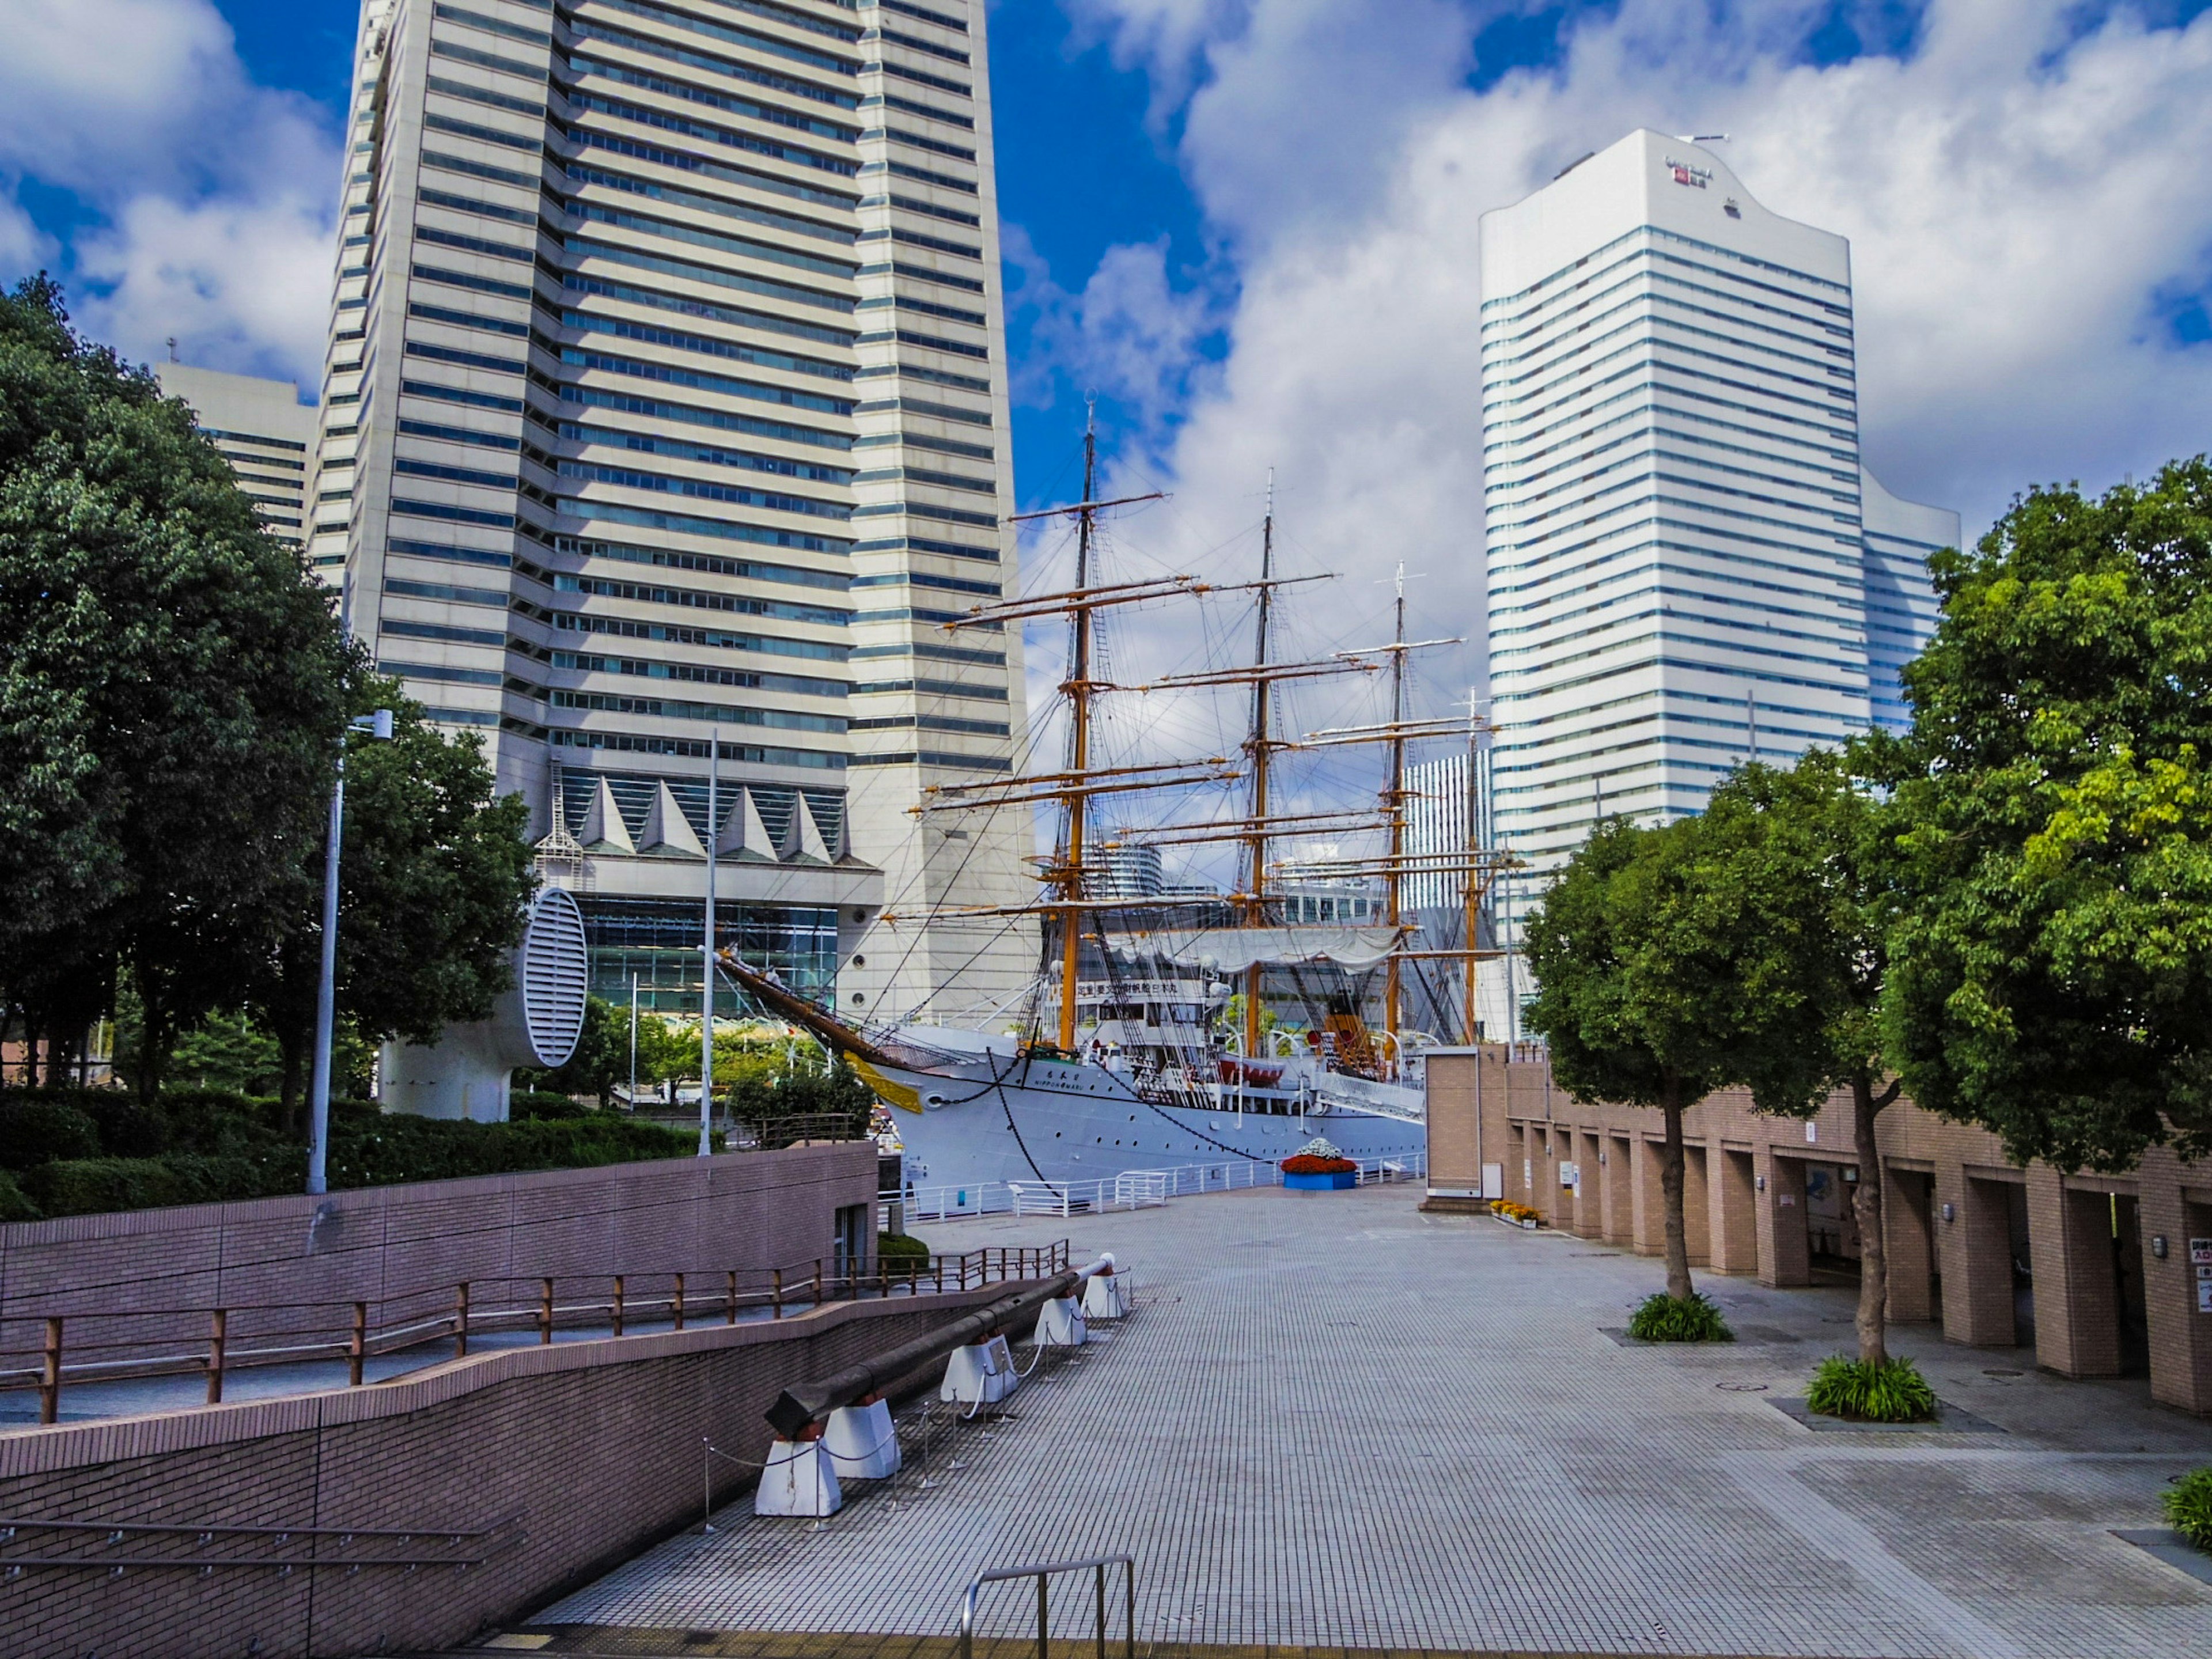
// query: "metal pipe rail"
[[196, 1537], [134, 1343], [1043, 1574], [796, 1410]]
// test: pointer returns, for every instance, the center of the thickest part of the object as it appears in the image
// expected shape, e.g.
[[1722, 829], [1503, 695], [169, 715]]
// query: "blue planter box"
[[1322, 1183]]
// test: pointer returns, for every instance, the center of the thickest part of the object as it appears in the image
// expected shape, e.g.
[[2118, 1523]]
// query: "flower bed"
[[1515, 1215], [1305, 1164]]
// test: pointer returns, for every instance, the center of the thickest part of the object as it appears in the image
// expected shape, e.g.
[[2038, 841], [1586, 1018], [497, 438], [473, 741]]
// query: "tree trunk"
[[1671, 1161], [1866, 1208], [155, 1039]]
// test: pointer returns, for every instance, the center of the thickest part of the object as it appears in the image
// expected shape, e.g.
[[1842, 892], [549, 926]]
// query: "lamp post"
[[378, 727], [707, 950]]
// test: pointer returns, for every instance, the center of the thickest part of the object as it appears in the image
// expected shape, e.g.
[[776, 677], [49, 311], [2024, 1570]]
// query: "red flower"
[[1302, 1164]]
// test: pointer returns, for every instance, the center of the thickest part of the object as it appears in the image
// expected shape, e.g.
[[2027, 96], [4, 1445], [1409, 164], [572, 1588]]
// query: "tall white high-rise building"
[[666, 404], [263, 431], [1687, 562]]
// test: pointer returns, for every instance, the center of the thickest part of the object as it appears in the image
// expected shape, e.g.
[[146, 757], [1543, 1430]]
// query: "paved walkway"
[[1334, 1422]]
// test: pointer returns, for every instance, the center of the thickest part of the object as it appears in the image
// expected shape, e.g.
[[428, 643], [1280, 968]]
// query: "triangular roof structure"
[[604, 830], [668, 833]]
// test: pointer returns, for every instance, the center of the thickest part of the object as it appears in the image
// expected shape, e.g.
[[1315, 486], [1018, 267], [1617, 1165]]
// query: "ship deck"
[[1334, 1422]]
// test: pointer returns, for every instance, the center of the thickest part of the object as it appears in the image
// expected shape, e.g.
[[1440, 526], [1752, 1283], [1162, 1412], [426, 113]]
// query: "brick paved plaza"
[[1333, 1421]]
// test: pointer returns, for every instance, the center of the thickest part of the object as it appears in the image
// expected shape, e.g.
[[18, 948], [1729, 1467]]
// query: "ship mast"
[[1393, 800], [1079, 691], [1261, 751]]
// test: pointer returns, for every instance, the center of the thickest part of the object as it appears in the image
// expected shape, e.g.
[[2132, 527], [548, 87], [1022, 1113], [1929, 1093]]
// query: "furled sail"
[[1233, 949]]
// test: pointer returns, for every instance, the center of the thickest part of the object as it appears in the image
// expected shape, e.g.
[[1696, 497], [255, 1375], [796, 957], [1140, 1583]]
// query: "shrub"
[[544, 1106], [900, 1247], [15, 1206], [37, 1129], [2188, 1507], [126, 1128], [383, 1151], [1892, 1393], [91, 1186], [1662, 1318]]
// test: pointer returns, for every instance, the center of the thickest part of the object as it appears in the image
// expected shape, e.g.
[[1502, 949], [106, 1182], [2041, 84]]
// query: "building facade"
[[264, 432], [2101, 1274], [665, 415], [1687, 563]]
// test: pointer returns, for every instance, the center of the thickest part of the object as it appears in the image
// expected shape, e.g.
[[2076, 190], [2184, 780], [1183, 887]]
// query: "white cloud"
[[213, 198], [2018, 192]]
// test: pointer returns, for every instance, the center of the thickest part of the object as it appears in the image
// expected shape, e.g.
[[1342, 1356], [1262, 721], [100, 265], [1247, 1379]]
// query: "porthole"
[[860, 962], [857, 999]]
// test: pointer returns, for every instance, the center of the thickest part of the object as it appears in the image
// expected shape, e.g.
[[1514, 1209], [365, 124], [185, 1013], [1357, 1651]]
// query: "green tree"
[[602, 1057], [432, 879], [1811, 851], [170, 693], [2050, 973], [1632, 950]]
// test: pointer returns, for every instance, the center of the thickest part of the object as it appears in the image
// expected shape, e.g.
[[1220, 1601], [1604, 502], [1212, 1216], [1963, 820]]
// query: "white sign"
[[2204, 1294], [1812, 1130], [2200, 1252], [1570, 1175], [1493, 1180]]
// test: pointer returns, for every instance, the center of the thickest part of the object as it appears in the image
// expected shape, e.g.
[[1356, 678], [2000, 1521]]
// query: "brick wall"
[[745, 1211], [581, 1454]]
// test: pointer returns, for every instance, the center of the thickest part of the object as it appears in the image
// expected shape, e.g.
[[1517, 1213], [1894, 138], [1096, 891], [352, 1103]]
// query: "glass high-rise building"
[[1687, 562], [666, 405]]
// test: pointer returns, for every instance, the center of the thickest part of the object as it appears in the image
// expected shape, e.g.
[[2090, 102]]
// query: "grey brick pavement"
[[1333, 1421]]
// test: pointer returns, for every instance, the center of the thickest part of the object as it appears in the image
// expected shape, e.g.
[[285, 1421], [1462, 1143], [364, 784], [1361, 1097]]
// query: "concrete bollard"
[[1106, 1296], [1059, 1325], [800, 1479], [981, 1374], [862, 1443]]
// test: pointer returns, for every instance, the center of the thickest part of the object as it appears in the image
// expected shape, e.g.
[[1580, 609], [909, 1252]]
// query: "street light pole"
[[378, 727], [707, 951]]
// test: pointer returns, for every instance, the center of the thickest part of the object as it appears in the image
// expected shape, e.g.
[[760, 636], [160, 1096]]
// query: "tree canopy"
[[170, 688], [2052, 966]]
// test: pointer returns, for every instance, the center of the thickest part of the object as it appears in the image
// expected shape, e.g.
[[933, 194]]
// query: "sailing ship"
[[1138, 1067]]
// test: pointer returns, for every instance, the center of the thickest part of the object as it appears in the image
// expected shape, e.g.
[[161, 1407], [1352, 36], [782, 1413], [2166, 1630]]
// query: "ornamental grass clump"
[[2188, 1507], [1893, 1392], [1664, 1318]]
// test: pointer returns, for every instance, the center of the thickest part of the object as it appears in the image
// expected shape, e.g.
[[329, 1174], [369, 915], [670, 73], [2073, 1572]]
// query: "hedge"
[[899, 1247], [66, 1152]]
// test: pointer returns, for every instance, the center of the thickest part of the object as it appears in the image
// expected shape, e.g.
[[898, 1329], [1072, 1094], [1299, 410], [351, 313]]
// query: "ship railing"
[[1131, 1189]]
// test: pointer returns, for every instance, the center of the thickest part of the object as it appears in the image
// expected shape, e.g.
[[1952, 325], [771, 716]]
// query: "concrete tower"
[[1687, 563], [666, 398]]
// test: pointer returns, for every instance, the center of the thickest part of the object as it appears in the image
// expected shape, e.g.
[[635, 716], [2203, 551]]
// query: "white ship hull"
[[1002, 1117]]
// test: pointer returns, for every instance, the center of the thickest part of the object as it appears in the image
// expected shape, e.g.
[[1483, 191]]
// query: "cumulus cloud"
[[211, 201], [2023, 188]]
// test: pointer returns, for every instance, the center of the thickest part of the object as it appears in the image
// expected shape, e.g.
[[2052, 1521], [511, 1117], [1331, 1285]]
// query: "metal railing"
[[96, 1346], [1131, 1189], [1095, 1565], [116, 1547]]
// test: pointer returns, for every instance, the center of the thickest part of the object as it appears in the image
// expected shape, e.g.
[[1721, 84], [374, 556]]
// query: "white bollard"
[[981, 1374], [1059, 1325], [863, 1445], [1106, 1296], [800, 1480]]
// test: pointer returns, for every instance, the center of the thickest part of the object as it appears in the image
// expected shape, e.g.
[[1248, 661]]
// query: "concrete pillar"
[[1975, 1246], [1589, 1196], [2077, 1301], [2180, 1336], [1785, 1253], [1519, 1185], [1651, 1197], [1729, 1202], [1620, 1192], [1906, 1224], [1697, 1206]]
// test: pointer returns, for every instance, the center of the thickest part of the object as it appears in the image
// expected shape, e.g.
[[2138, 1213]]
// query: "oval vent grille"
[[556, 975]]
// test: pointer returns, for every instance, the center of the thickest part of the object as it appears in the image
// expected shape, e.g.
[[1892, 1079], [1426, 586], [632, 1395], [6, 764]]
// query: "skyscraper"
[[263, 431], [667, 408], [1687, 562]]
